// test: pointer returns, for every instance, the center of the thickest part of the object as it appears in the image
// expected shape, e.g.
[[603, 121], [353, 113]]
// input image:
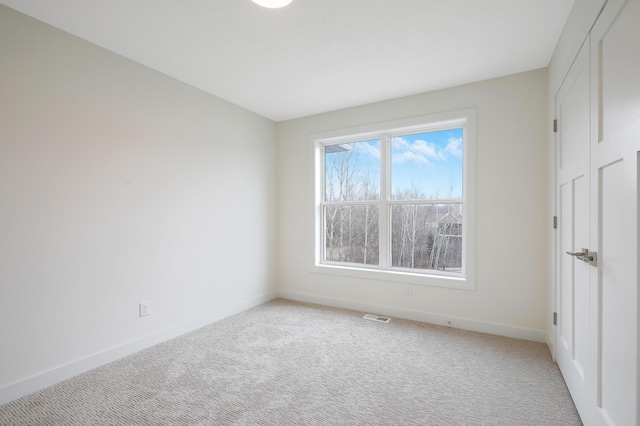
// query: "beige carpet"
[[287, 363]]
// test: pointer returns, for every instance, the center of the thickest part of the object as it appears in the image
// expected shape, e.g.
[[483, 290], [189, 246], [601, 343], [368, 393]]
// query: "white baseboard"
[[550, 344], [40, 381], [451, 321]]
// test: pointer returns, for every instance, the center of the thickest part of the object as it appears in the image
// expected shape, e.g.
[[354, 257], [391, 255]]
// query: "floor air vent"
[[377, 318]]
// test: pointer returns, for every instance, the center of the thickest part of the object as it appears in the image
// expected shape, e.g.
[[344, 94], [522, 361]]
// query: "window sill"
[[460, 283]]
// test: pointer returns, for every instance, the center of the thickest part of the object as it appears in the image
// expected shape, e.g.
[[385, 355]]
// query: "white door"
[[573, 182], [597, 201], [615, 147]]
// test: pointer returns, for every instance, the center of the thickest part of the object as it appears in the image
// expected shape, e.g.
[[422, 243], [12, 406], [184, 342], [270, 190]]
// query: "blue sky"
[[429, 161]]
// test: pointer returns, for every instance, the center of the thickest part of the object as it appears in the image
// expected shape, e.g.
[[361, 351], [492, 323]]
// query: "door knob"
[[590, 257], [584, 252]]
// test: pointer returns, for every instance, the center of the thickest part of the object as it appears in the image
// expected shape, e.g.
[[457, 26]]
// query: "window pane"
[[427, 165], [352, 171], [427, 236], [351, 233]]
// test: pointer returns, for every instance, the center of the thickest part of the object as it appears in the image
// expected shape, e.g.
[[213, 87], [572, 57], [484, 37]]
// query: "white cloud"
[[454, 146], [411, 156], [423, 152], [400, 143], [368, 149], [418, 151], [427, 149]]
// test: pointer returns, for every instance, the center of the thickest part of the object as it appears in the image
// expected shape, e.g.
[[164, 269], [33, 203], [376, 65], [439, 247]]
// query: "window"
[[396, 203]]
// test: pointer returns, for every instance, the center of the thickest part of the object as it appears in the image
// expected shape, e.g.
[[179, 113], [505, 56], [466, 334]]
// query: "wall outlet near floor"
[[408, 291], [145, 308]]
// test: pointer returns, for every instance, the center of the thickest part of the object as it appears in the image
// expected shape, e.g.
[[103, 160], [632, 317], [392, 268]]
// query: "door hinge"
[[555, 318], [555, 222], [555, 125]]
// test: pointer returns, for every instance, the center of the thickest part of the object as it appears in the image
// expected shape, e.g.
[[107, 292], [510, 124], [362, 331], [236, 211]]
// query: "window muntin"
[[395, 200]]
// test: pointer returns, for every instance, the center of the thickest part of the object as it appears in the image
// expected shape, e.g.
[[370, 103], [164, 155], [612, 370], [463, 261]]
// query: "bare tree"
[[424, 235]]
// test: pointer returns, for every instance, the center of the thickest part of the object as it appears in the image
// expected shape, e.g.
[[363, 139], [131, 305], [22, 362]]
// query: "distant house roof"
[[450, 218], [337, 148]]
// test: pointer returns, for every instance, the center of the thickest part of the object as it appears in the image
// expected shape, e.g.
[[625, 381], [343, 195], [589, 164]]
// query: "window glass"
[[352, 171], [397, 202], [427, 236], [427, 165], [351, 233]]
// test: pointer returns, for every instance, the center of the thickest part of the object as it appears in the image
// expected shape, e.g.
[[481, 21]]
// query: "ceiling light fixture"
[[272, 4]]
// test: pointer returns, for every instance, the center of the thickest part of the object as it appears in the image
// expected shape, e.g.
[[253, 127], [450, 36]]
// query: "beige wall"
[[512, 216], [119, 184]]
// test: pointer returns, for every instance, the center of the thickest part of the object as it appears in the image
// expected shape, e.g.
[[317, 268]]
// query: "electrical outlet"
[[408, 291], [145, 308]]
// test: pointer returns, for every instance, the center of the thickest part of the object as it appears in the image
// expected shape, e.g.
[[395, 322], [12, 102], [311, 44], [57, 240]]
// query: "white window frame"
[[465, 119]]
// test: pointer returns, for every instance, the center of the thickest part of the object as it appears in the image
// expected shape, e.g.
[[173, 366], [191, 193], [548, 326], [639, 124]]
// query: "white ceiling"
[[316, 55]]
